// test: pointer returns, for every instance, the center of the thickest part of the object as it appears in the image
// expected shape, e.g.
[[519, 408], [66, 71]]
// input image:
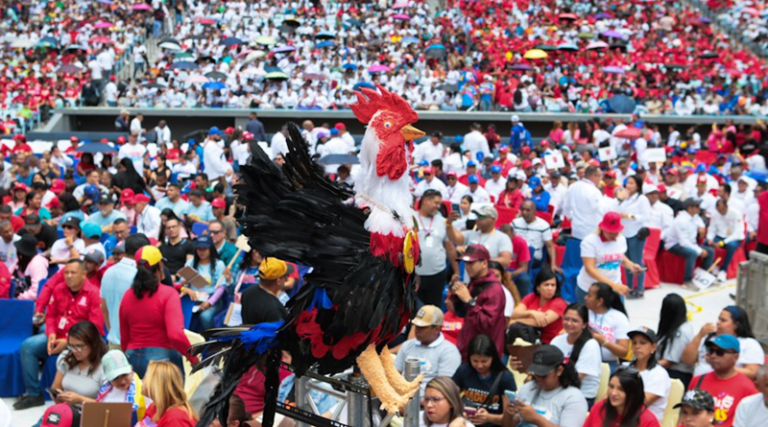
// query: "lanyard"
[[428, 231]]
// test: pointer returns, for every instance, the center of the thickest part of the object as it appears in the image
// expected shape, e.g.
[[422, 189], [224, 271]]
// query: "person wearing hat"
[[482, 302], [18, 196], [439, 357], [661, 215], [753, 410], [603, 254], [519, 136], [498, 245], [45, 234], [703, 196], [207, 263], [539, 196], [656, 381], [496, 184], [71, 245], [471, 170], [682, 239], [700, 175], [91, 234], [61, 415], [697, 409], [511, 197], [429, 183], [122, 385], [725, 382], [260, 303], [554, 389], [610, 186], [148, 221], [106, 214]]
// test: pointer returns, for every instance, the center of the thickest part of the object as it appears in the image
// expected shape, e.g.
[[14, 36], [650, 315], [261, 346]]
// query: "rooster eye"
[[387, 124]]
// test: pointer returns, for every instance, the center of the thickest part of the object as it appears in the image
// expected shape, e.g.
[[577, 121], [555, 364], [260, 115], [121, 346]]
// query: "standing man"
[[163, 133], [753, 410], [476, 142], [135, 152], [216, 165], [520, 136], [584, 204], [434, 246], [537, 233], [148, 219], [255, 127], [430, 150], [136, 126], [498, 245]]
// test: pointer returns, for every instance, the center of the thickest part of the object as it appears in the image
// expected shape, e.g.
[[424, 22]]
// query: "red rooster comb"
[[372, 102]]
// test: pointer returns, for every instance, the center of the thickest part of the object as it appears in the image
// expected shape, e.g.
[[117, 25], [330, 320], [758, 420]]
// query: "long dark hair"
[[632, 384], [545, 274], [213, 258], [652, 360], [88, 333], [610, 298], [482, 345], [638, 184], [68, 202], [585, 336], [134, 180], [146, 278], [739, 315], [674, 314]]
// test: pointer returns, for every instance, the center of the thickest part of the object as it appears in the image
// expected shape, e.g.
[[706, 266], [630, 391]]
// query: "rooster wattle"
[[360, 292]]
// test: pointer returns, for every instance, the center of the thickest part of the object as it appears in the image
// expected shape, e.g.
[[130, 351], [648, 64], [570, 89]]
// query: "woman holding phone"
[[581, 350], [78, 368], [442, 405]]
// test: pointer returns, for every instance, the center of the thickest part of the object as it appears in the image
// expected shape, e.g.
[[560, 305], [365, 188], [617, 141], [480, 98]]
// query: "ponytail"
[[145, 280], [610, 298], [585, 334]]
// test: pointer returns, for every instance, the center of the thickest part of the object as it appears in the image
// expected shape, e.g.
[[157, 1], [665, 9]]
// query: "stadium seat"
[[605, 376], [671, 414], [571, 266], [650, 252], [706, 156], [13, 331], [671, 267], [546, 216], [186, 308], [506, 215]]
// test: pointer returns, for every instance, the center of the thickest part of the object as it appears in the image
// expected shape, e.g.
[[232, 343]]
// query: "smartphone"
[[471, 224], [54, 393], [471, 412], [455, 207], [511, 396]]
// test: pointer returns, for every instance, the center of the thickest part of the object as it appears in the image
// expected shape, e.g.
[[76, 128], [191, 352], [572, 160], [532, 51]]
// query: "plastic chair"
[[671, 267], [506, 215], [189, 380], [186, 308], [605, 376], [671, 414], [650, 251], [16, 327], [571, 266]]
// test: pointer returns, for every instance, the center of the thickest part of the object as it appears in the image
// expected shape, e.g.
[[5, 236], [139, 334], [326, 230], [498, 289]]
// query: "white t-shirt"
[[509, 302], [751, 354], [607, 255], [751, 412], [589, 363], [136, 154], [60, 250], [614, 325], [535, 234], [656, 381], [674, 352]]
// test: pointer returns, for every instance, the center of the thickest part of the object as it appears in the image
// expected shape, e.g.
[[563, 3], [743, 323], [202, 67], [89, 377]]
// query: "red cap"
[[611, 173], [525, 164], [544, 143], [340, 126], [218, 203], [112, 78], [54, 203], [475, 253], [247, 136], [701, 180], [229, 130], [20, 186], [57, 186], [126, 196], [503, 149], [104, 140], [60, 415], [121, 140], [611, 223], [593, 162], [141, 198], [73, 138], [429, 170], [20, 137], [662, 188], [453, 174], [526, 149], [673, 171]]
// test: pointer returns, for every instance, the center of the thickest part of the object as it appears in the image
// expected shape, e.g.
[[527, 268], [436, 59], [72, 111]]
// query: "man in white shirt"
[[478, 193], [475, 141], [706, 199], [345, 136], [537, 233], [111, 92], [279, 143], [752, 411], [556, 191], [216, 165], [135, 152], [726, 230], [148, 219], [455, 190], [682, 239], [135, 128], [584, 204], [163, 133], [623, 172], [661, 215], [429, 150], [701, 174], [429, 183], [496, 184], [744, 192]]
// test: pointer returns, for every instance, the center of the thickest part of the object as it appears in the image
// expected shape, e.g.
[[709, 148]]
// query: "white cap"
[[515, 118], [650, 188], [521, 176], [536, 161]]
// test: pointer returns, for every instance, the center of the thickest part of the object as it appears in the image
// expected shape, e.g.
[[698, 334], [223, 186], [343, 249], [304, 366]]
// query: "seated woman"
[[581, 350], [656, 380], [442, 405], [483, 381], [674, 333], [170, 407], [543, 309], [623, 406], [122, 385], [609, 323]]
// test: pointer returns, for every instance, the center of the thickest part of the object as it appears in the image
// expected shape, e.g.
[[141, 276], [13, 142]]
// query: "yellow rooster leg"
[[397, 381], [370, 365]]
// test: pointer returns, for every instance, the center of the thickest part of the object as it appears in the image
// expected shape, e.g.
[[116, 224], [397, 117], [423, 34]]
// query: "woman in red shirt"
[[151, 321], [543, 308], [623, 406], [170, 408], [511, 197]]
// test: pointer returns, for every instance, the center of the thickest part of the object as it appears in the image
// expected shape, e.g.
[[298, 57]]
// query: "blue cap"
[[204, 241], [91, 192], [458, 138], [691, 151], [90, 230], [726, 342], [472, 179], [479, 156], [424, 163], [496, 169], [471, 163], [334, 132], [701, 168], [214, 131], [534, 181]]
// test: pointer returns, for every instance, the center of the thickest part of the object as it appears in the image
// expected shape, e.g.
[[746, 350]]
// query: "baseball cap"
[[61, 415], [525, 150], [91, 192], [697, 399], [126, 196], [475, 253], [334, 132], [471, 163], [437, 134], [555, 175], [20, 186], [726, 342], [423, 163], [105, 199], [53, 203], [701, 180], [611, 223], [534, 182], [452, 173], [610, 173], [121, 140], [149, 255], [204, 242], [662, 188], [73, 139], [214, 131], [340, 126], [94, 256], [486, 211], [690, 202], [71, 222], [525, 164], [647, 332], [273, 268], [650, 188], [119, 249], [544, 143], [495, 169], [218, 203], [701, 167], [545, 360], [57, 186], [504, 149], [91, 230], [429, 170], [115, 364], [428, 315], [515, 118], [141, 198], [458, 139], [472, 179]]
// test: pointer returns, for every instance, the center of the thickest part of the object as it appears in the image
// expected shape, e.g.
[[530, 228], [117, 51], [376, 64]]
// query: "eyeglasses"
[[76, 348], [171, 227], [433, 399], [719, 351], [215, 231]]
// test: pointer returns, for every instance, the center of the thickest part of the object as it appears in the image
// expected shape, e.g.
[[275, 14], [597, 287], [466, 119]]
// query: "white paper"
[[235, 315], [606, 153], [554, 160], [655, 155], [702, 279]]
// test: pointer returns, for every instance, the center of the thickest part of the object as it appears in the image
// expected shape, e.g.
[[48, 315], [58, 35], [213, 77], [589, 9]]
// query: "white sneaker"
[[721, 276]]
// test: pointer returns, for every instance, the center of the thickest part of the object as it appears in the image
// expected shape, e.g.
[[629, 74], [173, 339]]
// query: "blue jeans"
[[635, 248], [206, 317], [580, 295], [523, 283], [34, 351], [690, 256], [730, 249], [157, 28], [141, 357]]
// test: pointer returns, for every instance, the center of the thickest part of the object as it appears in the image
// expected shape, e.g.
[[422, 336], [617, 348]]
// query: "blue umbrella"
[[327, 43], [349, 66], [352, 23], [622, 104], [231, 41], [75, 47], [409, 40], [435, 46], [325, 35], [360, 85], [185, 65], [214, 86], [283, 49], [96, 147]]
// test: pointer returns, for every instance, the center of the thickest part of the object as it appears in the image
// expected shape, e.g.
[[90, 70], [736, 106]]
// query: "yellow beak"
[[410, 133]]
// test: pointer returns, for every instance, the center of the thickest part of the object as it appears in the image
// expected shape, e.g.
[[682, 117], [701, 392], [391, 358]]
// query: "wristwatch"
[[472, 302]]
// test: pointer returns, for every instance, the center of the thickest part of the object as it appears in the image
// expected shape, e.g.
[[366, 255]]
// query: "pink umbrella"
[[197, 78], [102, 39], [244, 52], [400, 5], [750, 10], [377, 68], [141, 6], [207, 21], [613, 70], [103, 25], [597, 45], [402, 17]]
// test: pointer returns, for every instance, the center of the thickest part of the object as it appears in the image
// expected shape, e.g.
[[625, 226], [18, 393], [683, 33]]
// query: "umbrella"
[[339, 159], [750, 11], [535, 54], [198, 37], [46, 43], [327, 43], [568, 17], [49, 39], [400, 4], [435, 46], [272, 69], [214, 86], [69, 68], [283, 49], [185, 65], [349, 66], [265, 41], [108, 2], [705, 20], [353, 23], [216, 75], [285, 28], [598, 44], [103, 25], [102, 39], [197, 78], [95, 147], [75, 47], [622, 46], [401, 17], [244, 52], [141, 6], [206, 59], [231, 41], [154, 85], [276, 75], [613, 70], [409, 40], [293, 22], [622, 104], [169, 46], [708, 55], [360, 85], [521, 67], [568, 46], [183, 55], [256, 54], [545, 47], [585, 35], [629, 133], [378, 68], [447, 87], [169, 39], [613, 34], [207, 21], [22, 43], [602, 15], [675, 66], [325, 35], [312, 76]]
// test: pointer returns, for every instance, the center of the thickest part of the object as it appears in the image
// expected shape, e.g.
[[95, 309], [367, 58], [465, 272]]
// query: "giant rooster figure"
[[360, 293]]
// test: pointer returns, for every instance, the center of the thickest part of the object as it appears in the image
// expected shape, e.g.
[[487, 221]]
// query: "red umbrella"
[[206, 21], [629, 133], [102, 39], [568, 16]]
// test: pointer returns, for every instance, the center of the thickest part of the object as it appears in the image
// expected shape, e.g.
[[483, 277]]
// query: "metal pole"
[[356, 401], [302, 394], [412, 370]]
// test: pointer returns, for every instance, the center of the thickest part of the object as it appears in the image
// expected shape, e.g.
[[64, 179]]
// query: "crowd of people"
[[745, 18], [520, 241]]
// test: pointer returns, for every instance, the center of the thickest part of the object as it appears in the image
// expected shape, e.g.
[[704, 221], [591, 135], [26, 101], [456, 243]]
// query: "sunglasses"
[[719, 351]]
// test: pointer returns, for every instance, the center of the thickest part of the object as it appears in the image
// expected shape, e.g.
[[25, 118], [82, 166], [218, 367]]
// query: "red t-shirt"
[[452, 325], [5, 281], [727, 394], [251, 388], [521, 254], [173, 417], [596, 417], [558, 305]]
